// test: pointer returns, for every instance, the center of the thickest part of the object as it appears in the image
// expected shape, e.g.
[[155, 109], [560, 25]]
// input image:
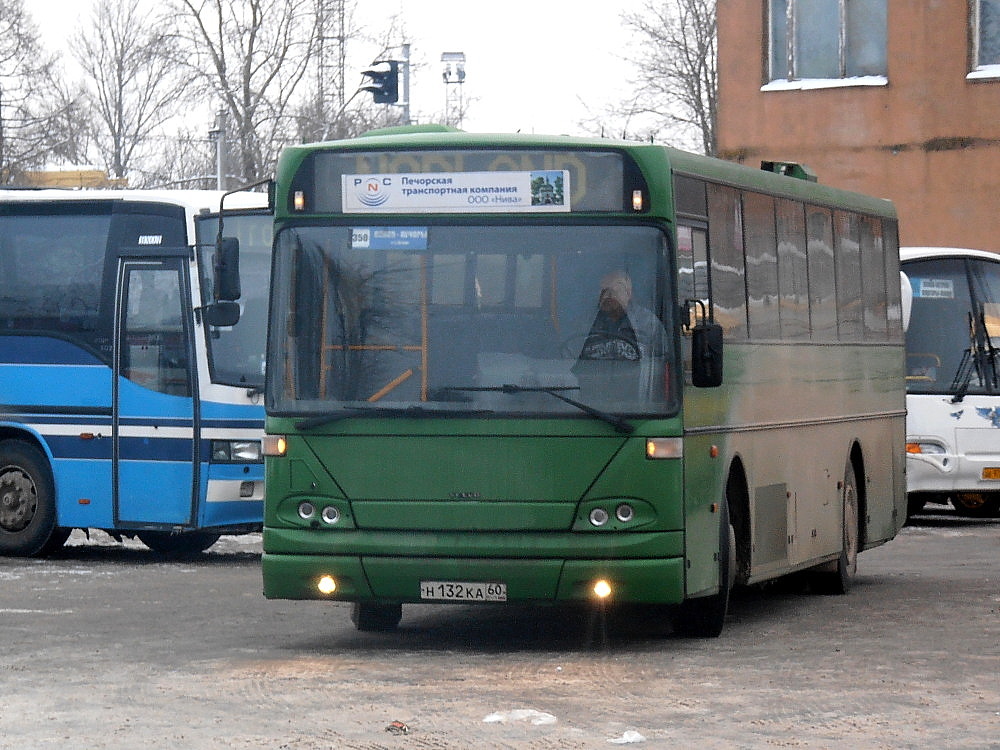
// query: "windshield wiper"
[[620, 424], [979, 358]]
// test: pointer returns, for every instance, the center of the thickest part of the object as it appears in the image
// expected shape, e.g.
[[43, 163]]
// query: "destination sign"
[[456, 192], [454, 181]]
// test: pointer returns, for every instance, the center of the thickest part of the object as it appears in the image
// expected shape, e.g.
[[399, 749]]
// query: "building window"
[[828, 39], [986, 36]]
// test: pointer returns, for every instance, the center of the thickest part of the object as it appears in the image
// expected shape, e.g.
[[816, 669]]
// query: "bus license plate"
[[457, 591], [991, 472]]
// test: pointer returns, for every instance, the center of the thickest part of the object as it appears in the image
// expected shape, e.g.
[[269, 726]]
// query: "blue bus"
[[131, 366]]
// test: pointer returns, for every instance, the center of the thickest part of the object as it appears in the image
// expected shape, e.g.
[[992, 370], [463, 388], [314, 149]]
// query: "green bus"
[[553, 370]]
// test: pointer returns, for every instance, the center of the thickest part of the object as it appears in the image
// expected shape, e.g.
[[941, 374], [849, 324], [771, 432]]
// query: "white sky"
[[537, 66]]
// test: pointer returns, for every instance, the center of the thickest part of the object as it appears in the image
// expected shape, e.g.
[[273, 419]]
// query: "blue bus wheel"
[[27, 502], [178, 544]]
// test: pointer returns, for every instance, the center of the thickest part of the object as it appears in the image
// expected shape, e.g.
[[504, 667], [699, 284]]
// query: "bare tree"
[[31, 100], [252, 55], [134, 86], [677, 84], [184, 160]]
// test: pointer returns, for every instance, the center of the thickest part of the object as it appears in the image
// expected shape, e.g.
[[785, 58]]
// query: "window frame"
[[977, 68], [788, 75]]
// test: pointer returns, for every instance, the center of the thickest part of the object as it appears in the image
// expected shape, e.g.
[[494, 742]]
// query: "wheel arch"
[[857, 459], [738, 497]]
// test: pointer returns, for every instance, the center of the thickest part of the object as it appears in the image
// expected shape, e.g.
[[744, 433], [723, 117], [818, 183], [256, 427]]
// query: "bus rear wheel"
[[976, 504], [376, 618], [181, 544], [837, 578], [27, 502]]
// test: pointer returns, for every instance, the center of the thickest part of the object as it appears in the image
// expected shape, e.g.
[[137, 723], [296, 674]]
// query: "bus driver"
[[622, 330]]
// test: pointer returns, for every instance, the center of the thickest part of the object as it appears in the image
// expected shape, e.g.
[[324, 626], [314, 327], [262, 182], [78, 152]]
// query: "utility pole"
[[454, 77], [218, 135]]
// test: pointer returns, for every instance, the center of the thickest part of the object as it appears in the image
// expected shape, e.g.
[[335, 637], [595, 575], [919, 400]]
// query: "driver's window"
[[154, 346]]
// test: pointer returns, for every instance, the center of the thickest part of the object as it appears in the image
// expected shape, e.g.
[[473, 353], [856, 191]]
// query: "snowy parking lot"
[[110, 646]]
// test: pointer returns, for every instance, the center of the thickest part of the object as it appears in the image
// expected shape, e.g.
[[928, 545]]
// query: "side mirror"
[[226, 263], [706, 355], [221, 314]]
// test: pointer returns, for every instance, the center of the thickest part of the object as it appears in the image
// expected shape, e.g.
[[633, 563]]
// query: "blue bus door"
[[155, 426]]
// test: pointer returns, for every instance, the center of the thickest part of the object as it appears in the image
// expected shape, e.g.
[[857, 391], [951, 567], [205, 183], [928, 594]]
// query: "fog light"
[[330, 515], [624, 513], [598, 516], [326, 585], [602, 589], [306, 510]]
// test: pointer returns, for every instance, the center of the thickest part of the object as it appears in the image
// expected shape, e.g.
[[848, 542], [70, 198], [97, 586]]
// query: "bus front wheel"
[[376, 618], [976, 504], [705, 616], [27, 502]]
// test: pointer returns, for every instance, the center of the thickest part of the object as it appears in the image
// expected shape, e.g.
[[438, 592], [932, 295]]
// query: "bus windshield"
[[461, 318], [954, 328], [236, 353]]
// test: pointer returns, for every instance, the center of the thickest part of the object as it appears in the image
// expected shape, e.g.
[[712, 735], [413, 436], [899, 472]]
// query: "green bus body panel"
[[482, 545], [528, 580], [461, 506], [488, 467]]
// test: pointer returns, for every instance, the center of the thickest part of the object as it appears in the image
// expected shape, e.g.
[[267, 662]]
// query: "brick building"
[[895, 98]]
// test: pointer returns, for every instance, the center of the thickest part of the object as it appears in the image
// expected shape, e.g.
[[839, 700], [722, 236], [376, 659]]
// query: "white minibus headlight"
[[924, 448]]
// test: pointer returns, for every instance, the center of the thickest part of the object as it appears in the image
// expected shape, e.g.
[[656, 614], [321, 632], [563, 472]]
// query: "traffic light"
[[384, 81]]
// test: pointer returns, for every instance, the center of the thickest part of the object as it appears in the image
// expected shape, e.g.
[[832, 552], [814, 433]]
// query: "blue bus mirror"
[[221, 314]]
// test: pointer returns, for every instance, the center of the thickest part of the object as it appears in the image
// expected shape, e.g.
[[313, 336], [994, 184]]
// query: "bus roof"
[[651, 158], [194, 200], [920, 253]]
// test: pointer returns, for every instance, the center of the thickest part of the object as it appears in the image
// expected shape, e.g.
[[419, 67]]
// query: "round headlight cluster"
[[330, 515], [624, 512]]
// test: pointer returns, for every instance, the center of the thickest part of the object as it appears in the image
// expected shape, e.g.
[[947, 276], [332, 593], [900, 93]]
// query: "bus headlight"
[[275, 445], [236, 452], [306, 510]]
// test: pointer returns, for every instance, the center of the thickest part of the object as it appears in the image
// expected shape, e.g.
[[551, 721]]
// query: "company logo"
[[372, 191]]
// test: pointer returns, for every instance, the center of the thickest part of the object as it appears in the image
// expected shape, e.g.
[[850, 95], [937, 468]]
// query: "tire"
[[915, 504], [27, 502], [838, 578], [976, 504], [376, 618], [705, 616], [180, 544]]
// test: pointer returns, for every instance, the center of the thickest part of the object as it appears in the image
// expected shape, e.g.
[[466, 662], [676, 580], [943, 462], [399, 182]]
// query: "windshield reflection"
[[486, 319]]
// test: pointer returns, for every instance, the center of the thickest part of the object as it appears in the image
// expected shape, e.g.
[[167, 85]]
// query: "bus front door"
[[155, 419]]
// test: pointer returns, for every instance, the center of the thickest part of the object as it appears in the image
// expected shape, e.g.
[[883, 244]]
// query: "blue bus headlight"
[[236, 452]]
